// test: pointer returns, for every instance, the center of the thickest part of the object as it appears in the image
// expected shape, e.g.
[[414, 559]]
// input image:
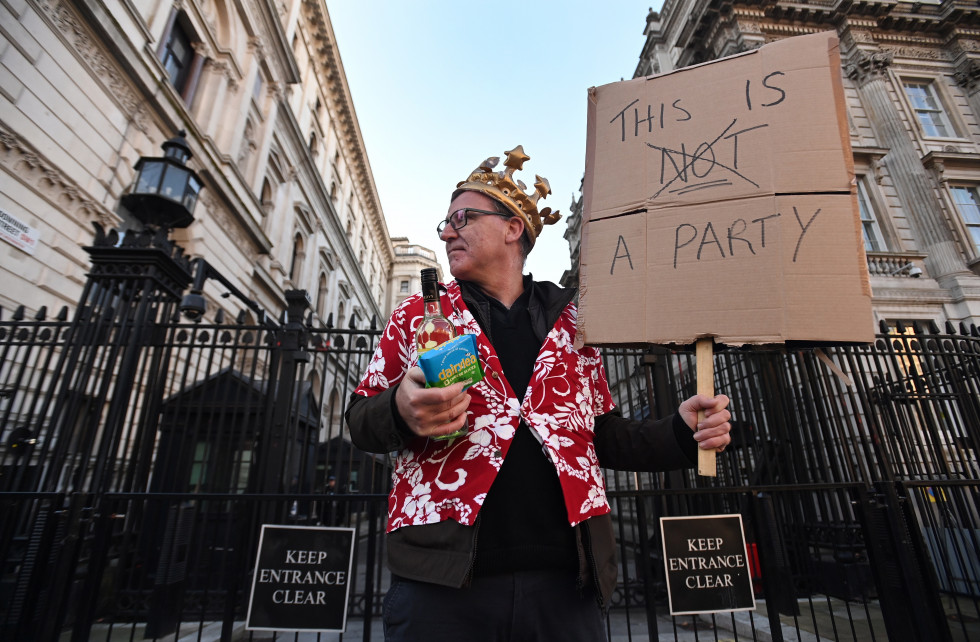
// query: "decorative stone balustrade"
[[891, 264]]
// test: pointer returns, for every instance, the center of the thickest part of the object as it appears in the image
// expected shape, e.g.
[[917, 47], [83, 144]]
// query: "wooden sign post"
[[705, 374]]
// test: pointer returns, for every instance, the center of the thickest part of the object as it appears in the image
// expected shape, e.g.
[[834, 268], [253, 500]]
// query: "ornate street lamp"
[[165, 190]]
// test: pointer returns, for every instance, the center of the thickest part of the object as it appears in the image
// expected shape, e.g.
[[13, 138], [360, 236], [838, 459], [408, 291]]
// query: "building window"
[[321, 297], [266, 198], [243, 464], [928, 109], [968, 205], [403, 287], [177, 57], [873, 239], [257, 88], [199, 467], [296, 265]]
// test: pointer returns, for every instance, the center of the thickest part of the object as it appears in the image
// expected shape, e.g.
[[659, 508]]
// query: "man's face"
[[478, 248]]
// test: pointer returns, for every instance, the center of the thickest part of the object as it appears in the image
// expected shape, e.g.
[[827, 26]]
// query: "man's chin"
[[457, 268]]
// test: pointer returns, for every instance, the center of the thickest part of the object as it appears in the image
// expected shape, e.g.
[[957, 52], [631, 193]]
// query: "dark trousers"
[[526, 606]]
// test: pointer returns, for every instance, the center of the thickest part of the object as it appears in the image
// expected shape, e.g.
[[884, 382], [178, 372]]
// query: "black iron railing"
[[133, 507]]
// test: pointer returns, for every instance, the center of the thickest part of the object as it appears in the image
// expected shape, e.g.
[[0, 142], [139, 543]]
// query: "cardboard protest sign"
[[719, 201]]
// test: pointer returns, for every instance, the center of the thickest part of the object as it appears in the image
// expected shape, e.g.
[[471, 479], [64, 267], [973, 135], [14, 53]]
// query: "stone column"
[[915, 187]]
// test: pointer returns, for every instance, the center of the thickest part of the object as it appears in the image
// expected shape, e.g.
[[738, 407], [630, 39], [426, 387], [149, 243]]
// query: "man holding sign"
[[505, 532]]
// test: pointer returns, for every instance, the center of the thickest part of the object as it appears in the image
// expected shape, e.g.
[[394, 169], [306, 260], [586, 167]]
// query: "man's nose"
[[447, 233]]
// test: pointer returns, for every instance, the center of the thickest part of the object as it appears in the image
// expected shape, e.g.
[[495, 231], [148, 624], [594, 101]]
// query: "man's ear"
[[515, 228]]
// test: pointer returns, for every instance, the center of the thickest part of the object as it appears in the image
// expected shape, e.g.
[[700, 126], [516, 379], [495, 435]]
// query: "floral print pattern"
[[438, 480]]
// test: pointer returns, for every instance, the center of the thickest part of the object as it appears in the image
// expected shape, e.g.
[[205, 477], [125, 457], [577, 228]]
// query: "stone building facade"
[[410, 260], [912, 85], [289, 200]]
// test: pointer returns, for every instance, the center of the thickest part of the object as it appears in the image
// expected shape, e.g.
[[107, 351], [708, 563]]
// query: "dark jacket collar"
[[545, 304]]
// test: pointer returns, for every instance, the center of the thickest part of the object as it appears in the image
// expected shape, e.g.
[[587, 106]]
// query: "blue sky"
[[439, 86]]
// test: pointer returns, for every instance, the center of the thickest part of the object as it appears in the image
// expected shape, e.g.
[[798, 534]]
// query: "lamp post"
[[165, 190], [134, 288]]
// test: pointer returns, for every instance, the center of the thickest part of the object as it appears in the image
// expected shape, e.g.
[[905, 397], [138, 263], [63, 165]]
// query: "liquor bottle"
[[435, 329]]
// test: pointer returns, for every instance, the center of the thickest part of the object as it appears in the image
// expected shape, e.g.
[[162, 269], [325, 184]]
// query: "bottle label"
[[452, 362]]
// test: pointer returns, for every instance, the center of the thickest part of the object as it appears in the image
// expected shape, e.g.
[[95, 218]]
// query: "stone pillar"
[[915, 187]]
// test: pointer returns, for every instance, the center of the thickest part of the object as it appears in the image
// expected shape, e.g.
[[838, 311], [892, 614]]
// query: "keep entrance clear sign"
[[706, 563], [302, 579]]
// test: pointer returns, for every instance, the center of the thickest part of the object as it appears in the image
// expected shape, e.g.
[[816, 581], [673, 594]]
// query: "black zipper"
[[590, 559], [468, 578]]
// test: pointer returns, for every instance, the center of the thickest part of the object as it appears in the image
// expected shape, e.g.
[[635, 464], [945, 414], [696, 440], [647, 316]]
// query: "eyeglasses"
[[461, 217]]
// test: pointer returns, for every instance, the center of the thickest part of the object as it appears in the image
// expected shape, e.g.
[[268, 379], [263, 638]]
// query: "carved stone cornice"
[[222, 67], [276, 91], [950, 158], [218, 66], [967, 74], [201, 49], [879, 169], [916, 53], [256, 46], [19, 159], [905, 39], [103, 70], [218, 212], [328, 67], [875, 157], [864, 67]]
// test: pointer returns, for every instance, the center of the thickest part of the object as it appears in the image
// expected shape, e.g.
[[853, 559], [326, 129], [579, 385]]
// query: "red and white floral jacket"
[[438, 480]]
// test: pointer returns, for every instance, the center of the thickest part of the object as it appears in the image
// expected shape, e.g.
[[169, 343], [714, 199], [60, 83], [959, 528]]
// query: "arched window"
[[266, 198], [341, 316], [321, 297], [296, 265], [316, 390], [335, 409], [314, 147]]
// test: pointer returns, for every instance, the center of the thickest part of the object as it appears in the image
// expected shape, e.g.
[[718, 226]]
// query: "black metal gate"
[[141, 453]]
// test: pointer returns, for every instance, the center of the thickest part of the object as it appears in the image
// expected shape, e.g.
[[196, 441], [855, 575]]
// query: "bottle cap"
[[429, 275]]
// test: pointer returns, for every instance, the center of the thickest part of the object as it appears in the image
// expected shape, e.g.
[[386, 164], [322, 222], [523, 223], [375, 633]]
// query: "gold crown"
[[503, 187]]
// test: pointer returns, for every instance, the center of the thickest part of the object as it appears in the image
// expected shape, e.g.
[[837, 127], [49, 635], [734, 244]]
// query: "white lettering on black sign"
[[301, 579], [706, 563]]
